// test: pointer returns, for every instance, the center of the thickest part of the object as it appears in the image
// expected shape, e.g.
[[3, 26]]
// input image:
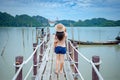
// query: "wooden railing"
[[95, 62], [20, 63]]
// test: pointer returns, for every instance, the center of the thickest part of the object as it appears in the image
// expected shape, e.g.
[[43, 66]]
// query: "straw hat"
[[59, 27]]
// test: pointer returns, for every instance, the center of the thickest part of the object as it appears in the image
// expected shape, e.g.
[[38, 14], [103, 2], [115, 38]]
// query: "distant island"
[[7, 20]]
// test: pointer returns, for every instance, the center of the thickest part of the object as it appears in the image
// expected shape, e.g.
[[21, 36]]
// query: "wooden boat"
[[117, 38], [96, 43]]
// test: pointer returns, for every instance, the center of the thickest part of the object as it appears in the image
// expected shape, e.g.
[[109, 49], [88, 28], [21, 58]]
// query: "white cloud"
[[63, 9]]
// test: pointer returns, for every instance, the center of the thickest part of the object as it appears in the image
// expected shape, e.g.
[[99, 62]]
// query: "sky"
[[64, 9]]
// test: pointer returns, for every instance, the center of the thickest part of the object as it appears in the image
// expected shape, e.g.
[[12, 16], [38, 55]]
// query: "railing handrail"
[[29, 58], [89, 61], [76, 68]]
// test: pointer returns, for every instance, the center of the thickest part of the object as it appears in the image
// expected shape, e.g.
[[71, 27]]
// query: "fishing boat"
[[118, 36], [97, 42]]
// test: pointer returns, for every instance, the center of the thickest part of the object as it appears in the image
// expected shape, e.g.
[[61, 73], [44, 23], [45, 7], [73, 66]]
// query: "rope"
[[79, 52], [34, 52], [89, 61], [28, 73], [76, 68]]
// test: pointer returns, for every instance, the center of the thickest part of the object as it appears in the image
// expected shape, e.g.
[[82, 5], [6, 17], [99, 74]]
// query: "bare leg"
[[61, 62], [57, 62]]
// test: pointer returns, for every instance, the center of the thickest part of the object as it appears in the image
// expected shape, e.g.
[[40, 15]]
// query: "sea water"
[[16, 41]]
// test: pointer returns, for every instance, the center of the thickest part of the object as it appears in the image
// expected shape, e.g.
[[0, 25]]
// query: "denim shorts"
[[60, 50]]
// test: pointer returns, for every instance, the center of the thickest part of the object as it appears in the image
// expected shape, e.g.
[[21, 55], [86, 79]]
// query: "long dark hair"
[[60, 35]]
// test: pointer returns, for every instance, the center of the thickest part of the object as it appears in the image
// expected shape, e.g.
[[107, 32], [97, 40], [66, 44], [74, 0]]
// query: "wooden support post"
[[19, 60], [72, 56], [48, 34], [69, 48], [41, 52], [71, 52], [44, 46], [34, 60], [48, 37], [42, 35], [95, 59], [76, 56], [76, 61]]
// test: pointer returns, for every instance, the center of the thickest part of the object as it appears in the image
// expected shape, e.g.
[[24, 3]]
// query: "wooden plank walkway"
[[47, 67]]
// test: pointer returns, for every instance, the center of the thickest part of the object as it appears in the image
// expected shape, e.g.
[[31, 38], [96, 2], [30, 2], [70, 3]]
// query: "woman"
[[60, 47]]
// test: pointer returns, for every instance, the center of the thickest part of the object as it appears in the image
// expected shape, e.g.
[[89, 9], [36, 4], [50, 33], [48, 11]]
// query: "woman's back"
[[62, 42]]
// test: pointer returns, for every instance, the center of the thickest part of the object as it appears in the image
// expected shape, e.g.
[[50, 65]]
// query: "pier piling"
[[95, 59], [35, 60], [75, 56], [41, 51], [75, 60], [19, 61]]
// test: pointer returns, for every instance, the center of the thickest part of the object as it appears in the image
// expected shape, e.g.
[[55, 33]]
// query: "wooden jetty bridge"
[[44, 60]]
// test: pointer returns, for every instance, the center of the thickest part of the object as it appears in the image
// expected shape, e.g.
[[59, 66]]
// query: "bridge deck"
[[47, 67]]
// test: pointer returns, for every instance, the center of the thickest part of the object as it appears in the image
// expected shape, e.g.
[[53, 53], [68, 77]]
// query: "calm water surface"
[[110, 57], [14, 42], [18, 41]]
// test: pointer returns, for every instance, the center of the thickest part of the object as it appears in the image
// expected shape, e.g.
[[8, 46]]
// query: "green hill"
[[7, 20], [91, 22], [24, 20]]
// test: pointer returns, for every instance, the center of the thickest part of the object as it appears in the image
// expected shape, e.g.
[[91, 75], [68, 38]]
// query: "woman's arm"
[[55, 41]]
